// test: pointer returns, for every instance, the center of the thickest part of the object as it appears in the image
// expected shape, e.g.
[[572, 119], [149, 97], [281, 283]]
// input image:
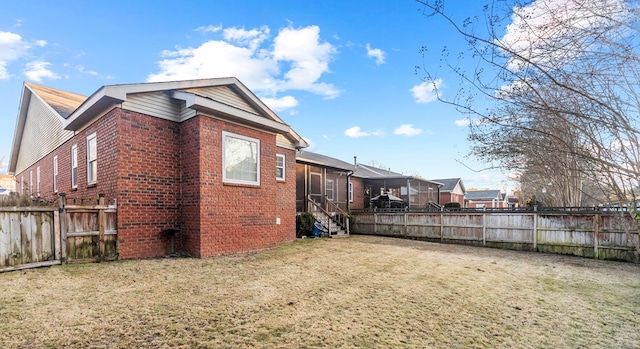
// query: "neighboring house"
[[323, 178], [485, 199], [205, 156], [415, 192], [452, 190], [8, 181]]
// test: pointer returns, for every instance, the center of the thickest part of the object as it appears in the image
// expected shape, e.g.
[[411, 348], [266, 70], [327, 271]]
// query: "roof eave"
[[17, 132]]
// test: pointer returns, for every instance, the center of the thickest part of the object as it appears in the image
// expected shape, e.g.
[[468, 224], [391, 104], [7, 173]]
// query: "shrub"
[[304, 224], [452, 205]]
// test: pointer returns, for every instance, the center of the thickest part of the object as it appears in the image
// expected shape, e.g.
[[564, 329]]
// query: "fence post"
[[596, 235], [535, 228], [484, 227], [62, 201], [101, 219], [441, 227]]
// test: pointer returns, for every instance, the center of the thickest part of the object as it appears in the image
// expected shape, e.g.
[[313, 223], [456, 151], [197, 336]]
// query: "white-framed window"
[[21, 185], [55, 174], [38, 181], [350, 191], [329, 189], [31, 183], [280, 164], [74, 166], [240, 159], [92, 159]]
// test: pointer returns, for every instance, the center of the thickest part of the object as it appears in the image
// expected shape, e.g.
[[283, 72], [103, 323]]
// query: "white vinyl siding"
[[42, 127], [55, 174], [92, 159], [280, 167], [156, 104], [226, 95], [241, 159], [74, 166]]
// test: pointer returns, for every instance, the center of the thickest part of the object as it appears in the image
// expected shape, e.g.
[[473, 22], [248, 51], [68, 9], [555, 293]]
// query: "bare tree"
[[555, 91]]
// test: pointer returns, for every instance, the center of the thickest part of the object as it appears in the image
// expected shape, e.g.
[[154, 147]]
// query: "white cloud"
[[463, 122], [311, 144], [426, 91], [407, 130], [552, 31], [12, 47], [376, 53], [295, 59], [41, 43], [86, 71], [356, 132], [39, 70], [280, 104], [209, 29]]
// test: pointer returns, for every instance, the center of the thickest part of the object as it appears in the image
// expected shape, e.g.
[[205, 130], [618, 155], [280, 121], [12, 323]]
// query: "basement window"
[[241, 159]]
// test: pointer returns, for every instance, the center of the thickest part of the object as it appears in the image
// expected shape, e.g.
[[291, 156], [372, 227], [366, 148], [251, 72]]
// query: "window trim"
[[74, 166], [90, 169], [38, 181], [226, 135], [333, 189], [284, 163], [55, 174], [30, 182], [350, 191]]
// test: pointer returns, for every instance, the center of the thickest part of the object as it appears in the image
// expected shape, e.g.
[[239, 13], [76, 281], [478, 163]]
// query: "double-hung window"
[[55, 174], [38, 181], [240, 159], [74, 166], [329, 189], [92, 159], [350, 191], [280, 167]]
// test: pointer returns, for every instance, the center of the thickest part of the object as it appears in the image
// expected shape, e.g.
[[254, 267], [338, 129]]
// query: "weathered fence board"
[[26, 237], [595, 235], [38, 236]]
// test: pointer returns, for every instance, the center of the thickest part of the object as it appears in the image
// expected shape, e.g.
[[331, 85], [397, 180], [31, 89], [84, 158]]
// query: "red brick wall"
[[105, 129], [169, 175], [236, 218], [358, 194], [148, 183]]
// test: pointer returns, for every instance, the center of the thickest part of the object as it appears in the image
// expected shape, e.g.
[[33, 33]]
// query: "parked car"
[[5, 192]]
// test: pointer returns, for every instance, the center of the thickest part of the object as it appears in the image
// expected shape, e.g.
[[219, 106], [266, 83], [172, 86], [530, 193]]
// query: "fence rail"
[[603, 235]]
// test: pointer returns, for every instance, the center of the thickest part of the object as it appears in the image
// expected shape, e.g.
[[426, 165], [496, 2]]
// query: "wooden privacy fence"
[[78, 230], [595, 235]]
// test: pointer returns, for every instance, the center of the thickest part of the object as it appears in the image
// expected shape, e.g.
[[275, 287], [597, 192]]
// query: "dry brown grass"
[[364, 292]]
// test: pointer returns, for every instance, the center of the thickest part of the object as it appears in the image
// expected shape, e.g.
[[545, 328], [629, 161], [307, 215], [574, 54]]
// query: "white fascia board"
[[100, 100], [19, 128]]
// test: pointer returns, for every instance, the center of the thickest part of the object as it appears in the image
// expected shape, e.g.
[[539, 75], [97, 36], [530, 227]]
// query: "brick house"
[[485, 199], [325, 178], [452, 190], [205, 156]]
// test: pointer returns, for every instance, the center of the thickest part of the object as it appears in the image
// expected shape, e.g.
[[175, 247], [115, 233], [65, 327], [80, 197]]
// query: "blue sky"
[[341, 73]]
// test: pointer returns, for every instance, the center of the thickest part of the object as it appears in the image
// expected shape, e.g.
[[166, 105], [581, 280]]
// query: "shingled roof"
[[63, 102]]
